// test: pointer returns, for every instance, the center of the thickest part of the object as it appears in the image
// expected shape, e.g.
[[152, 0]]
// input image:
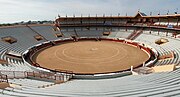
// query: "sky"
[[25, 10]]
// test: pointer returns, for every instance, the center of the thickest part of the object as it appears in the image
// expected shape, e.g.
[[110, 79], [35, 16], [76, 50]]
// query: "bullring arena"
[[91, 57], [102, 56]]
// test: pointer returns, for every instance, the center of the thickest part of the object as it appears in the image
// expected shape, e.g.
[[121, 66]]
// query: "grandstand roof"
[[139, 14]]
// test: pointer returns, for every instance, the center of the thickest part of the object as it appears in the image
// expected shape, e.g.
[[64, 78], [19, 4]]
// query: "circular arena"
[[91, 57], [128, 56]]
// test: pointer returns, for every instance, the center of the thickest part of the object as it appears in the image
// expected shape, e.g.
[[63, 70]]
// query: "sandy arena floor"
[[91, 57]]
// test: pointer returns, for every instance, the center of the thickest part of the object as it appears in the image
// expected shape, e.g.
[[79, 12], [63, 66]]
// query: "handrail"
[[42, 75]]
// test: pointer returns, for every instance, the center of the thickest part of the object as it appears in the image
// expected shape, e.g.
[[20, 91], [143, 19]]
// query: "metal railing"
[[48, 76], [14, 74], [63, 77]]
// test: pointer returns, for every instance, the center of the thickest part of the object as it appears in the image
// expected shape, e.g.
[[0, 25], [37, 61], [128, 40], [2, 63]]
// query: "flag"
[[150, 13], [176, 12], [168, 12], [59, 16]]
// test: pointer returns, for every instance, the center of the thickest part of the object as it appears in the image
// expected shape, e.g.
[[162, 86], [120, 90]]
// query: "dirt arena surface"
[[89, 57]]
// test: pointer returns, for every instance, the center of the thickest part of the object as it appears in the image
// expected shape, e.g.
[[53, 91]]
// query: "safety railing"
[[63, 77]]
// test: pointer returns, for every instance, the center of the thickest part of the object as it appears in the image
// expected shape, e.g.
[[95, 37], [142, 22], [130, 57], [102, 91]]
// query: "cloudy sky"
[[24, 10]]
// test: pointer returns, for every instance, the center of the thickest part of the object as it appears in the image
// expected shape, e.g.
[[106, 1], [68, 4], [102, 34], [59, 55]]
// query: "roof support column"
[[168, 20], [177, 22], [159, 21]]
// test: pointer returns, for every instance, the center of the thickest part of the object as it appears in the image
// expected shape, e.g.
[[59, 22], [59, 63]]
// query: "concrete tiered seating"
[[173, 45], [24, 36], [89, 33], [123, 34], [46, 31], [156, 84]]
